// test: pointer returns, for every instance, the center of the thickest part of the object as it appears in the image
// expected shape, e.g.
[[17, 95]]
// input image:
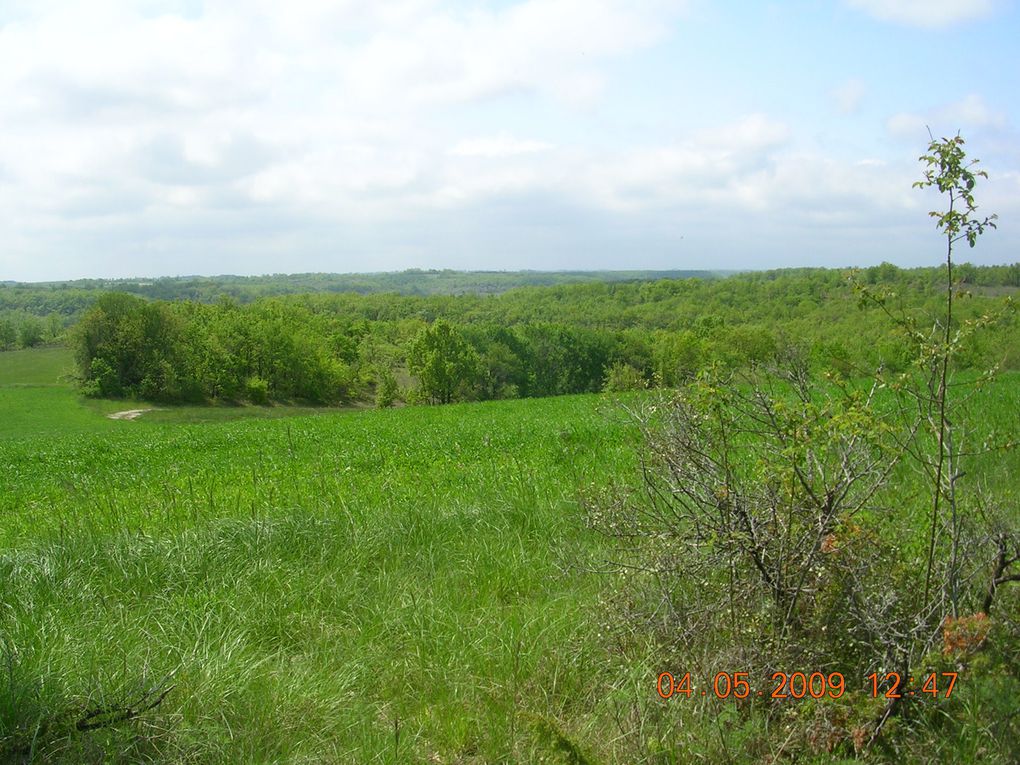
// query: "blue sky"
[[188, 137]]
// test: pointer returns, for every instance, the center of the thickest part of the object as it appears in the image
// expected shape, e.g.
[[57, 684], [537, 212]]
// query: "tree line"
[[520, 291], [341, 348], [72, 296]]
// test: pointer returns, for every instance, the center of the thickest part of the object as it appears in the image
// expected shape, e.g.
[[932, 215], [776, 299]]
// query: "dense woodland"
[[68, 298], [338, 348]]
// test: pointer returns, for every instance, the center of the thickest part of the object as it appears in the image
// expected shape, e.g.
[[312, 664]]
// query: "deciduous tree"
[[444, 363]]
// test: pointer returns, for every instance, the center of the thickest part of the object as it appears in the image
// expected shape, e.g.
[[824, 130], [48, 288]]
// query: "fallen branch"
[[101, 718], [1000, 575]]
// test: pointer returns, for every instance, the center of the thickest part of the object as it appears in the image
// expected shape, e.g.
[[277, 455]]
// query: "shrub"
[[623, 377], [782, 528], [256, 390], [386, 389]]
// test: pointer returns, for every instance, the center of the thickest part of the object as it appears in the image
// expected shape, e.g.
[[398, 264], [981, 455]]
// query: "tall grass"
[[392, 586]]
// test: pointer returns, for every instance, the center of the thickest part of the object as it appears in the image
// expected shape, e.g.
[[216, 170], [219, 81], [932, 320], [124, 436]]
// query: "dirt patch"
[[130, 414]]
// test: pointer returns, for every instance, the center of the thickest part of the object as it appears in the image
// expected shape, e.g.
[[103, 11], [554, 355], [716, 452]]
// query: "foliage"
[[386, 389], [30, 334], [532, 341], [623, 377], [781, 508], [8, 334], [71, 297], [177, 352], [256, 390], [444, 363]]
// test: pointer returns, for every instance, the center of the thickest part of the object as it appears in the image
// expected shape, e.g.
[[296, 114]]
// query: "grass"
[[36, 366], [36, 397], [382, 586], [393, 586], [31, 411], [228, 413]]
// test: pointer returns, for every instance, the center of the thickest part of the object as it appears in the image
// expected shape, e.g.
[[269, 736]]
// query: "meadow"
[[377, 586], [391, 586]]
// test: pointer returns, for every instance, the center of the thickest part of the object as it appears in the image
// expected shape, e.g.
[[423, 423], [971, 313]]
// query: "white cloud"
[[502, 145], [849, 95], [553, 47], [751, 133], [118, 112], [909, 126], [748, 167], [925, 13], [971, 112], [709, 166], [182, 130]]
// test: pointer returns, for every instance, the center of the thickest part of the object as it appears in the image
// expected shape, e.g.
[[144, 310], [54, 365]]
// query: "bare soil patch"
[[130, 414]]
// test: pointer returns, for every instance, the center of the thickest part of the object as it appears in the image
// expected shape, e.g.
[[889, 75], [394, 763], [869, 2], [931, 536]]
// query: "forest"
[[527, 342], [60, 303]]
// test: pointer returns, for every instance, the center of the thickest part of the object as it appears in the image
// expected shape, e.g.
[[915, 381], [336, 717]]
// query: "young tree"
[[30, 334], [623, 377], [54, 327], [8, 334], [386, 388], [444, 363], [947, 170]]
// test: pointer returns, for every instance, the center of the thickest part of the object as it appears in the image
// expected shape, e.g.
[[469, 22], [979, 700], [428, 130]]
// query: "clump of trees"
[[25, 330], [793, 519], [289, 350], [126, 346]]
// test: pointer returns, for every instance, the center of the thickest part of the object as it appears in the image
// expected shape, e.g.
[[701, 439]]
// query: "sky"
[[178, 137]]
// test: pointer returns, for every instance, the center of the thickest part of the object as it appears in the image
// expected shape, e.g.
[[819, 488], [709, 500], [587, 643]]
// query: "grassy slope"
[[35, 397], [36, 366], [317, 585], [380, 586]]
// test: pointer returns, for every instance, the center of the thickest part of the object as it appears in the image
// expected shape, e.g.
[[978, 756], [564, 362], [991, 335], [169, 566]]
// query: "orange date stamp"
[[804, 685]]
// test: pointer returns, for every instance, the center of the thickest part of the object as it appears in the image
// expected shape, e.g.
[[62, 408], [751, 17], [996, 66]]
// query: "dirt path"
[[130, 414]]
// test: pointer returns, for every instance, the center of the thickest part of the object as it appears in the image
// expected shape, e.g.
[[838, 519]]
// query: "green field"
[[37, 366], [392, 586]]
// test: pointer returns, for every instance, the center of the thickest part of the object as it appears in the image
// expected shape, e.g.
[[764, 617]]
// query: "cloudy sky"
[[167, 137]]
